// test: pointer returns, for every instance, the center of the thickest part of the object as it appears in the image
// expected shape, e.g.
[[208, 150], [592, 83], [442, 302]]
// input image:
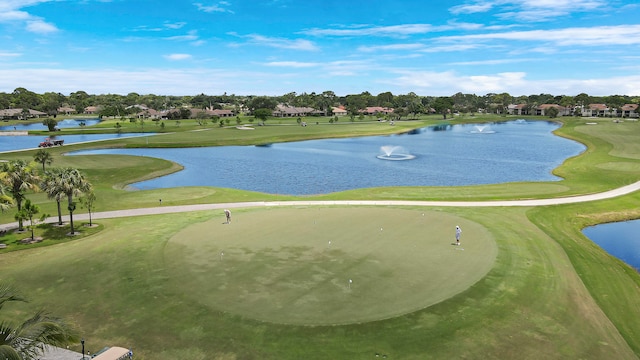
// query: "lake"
[[447, 155], [15, 143], [620, 239]]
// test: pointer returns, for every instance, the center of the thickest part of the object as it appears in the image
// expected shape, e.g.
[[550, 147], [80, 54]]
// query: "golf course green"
[[340, 281], [328, 266]]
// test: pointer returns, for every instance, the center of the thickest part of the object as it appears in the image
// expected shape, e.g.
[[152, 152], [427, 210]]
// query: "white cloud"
[[190, 36], [529, 10], [392, 47], [9, 55], [251, 83], [394, 30], [492, 62], [219, 7], [280, 43], [515, 83], [291, 64], [41, 27], [10, 11], [177, 57], [583, 36]]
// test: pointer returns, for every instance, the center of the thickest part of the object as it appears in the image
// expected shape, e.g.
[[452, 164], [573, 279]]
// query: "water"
[[447, 155], [620, 239], [13, 143], [62, 124]]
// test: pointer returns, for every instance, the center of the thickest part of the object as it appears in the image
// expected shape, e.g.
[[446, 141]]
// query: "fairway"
[[323, 265]]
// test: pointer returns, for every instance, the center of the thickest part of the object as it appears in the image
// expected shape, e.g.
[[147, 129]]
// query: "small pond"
[[620, 239], [447, 155]]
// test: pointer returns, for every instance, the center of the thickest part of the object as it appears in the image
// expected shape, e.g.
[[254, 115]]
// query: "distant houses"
[[20, 114], [591, 110]]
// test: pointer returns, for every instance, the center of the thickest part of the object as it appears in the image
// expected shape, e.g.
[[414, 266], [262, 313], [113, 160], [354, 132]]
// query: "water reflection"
[[442, 158], [618, 239]]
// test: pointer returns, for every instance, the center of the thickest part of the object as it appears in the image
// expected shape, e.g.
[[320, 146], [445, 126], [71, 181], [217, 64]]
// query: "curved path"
[[217, 206]]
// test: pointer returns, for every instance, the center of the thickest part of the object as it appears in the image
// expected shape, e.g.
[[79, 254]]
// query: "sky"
[[275, 47]]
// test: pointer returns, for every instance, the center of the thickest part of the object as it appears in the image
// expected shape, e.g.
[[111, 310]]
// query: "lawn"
[[527, 285]]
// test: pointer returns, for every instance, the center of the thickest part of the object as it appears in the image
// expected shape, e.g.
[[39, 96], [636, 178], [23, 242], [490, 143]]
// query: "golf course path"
[[218, 206]]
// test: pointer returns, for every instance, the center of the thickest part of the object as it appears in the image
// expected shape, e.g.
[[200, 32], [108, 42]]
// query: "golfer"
[[227, 214], [458, 232]]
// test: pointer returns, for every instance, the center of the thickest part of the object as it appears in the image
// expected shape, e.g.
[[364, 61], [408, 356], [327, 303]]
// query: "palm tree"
[[19, 177], [73, 183], [28, 340], [51, 185], [5, 200], [43, 157], [28, 211]]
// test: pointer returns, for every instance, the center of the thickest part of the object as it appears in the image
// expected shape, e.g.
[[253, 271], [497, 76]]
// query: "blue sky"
[[273, 47]]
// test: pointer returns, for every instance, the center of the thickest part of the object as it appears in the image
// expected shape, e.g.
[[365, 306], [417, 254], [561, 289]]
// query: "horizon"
[[272, 48]]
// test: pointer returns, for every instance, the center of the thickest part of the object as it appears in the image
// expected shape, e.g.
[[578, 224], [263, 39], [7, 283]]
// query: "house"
[[65, 110], [519, 109], [630, 111], [292, 111], [21, 114], [221, 113], [376, 110], [596, 110], [542, 110], [339, 111], [91, 110]]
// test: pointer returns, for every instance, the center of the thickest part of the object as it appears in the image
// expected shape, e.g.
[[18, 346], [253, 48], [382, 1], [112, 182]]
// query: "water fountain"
[[482, 129], [394, 152]]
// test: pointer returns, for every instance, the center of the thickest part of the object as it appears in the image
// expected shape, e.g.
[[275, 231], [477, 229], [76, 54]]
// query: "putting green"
[[326, 265]]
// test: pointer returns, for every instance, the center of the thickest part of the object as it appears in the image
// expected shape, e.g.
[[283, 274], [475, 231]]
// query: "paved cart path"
[[218, 206]]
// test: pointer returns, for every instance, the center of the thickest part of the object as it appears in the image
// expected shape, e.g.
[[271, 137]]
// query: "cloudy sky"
[[273, 47]]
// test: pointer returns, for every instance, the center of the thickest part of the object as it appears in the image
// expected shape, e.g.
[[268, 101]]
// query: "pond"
[[15, 143], [620, 239], [447, 155], [62, 124]]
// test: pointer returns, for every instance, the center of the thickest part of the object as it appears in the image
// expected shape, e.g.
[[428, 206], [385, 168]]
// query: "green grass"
[[264, 268], [156, 283]]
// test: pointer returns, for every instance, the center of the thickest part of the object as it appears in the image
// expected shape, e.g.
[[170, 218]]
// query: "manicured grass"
[[150, 283], [155, 283], [293, 266]]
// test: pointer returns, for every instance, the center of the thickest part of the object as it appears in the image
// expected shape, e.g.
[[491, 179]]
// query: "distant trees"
[[442, 105], [178, 107], [262, 114], [50, 123]]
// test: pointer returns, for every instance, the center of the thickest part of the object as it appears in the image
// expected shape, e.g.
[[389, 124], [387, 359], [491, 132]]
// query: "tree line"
[[411, 103]]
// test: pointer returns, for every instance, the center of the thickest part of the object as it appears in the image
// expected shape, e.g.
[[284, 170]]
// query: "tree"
[[19, 177], [552, 111], [28, 340], [442, 105], [73, 183], [28, 211], [52, 187], [5, 200], [89, 200], [43, 157], [50, 123], [262, 114], [262, 102]]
